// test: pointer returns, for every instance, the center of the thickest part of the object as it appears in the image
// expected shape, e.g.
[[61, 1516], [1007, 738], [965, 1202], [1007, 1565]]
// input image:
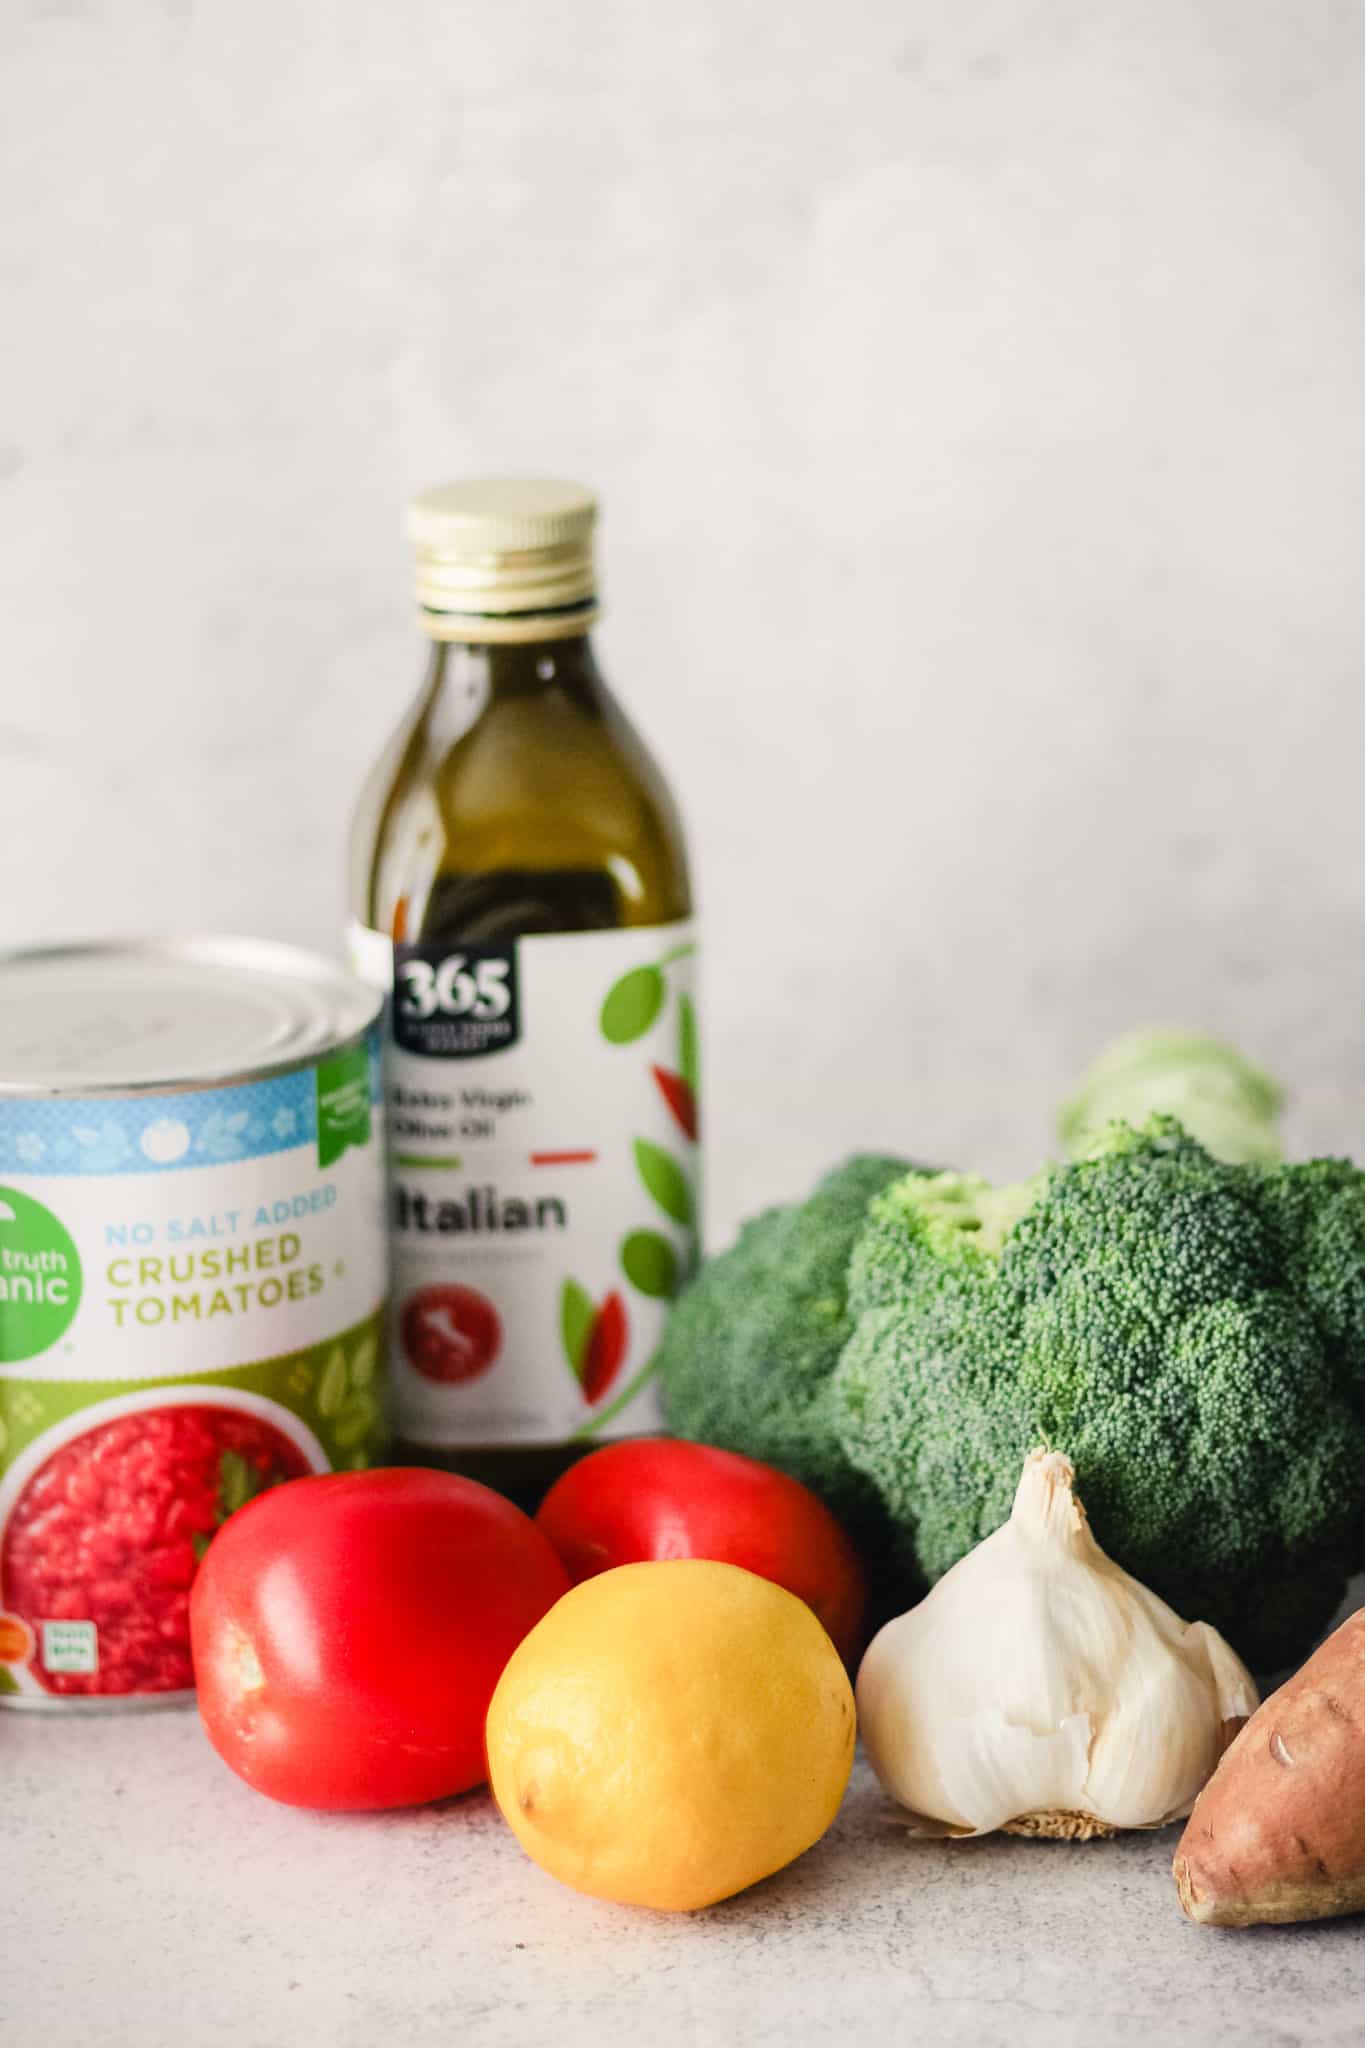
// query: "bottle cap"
[[505, 558]]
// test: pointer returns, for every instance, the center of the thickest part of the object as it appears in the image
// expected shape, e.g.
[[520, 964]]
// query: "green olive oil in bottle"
[[519, 883]]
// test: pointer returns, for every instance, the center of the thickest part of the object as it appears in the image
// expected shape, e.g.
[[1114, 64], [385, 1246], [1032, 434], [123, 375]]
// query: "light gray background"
[[976, 395]]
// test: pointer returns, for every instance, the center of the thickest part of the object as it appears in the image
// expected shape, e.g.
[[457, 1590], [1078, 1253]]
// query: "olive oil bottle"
[[519, 883]]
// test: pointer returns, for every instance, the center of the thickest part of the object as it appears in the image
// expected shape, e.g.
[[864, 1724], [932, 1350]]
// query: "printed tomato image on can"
[[450, 1333], [102, 1532]]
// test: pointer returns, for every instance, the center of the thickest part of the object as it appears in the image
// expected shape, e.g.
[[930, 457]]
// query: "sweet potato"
[[1278, 1833]]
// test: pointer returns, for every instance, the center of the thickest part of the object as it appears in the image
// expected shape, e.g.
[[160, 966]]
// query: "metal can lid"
[[169, 1013]]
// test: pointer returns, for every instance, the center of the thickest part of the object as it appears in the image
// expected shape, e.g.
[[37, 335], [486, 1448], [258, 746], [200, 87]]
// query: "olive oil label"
[[543, 1181]]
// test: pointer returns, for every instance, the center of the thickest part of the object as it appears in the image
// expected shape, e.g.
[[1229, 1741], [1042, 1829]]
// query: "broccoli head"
[[1190, 1332], [752, 1343]]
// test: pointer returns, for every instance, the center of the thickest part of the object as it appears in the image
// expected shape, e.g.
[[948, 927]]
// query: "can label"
[[541, 1100], [191, 1310]]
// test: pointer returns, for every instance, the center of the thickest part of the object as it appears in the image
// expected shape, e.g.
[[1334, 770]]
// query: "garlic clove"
[[1040, 1688], [981, 1777]]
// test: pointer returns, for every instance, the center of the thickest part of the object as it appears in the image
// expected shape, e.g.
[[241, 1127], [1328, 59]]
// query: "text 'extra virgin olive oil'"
[[519, 883]]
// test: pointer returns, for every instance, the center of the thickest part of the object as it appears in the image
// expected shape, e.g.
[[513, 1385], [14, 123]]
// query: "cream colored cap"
[[505, 558]]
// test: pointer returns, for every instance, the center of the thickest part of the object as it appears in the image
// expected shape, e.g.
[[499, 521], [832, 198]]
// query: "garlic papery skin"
[[1039, 1688]]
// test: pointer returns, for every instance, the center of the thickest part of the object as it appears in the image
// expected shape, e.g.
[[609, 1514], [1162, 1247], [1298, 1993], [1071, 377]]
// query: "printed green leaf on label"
[[576, 1315], [332, 1385], [364, 1359], [356, 1421], [236, 1483], [650, 1264], [632, 1004], [665, 1180], [687, 1041]]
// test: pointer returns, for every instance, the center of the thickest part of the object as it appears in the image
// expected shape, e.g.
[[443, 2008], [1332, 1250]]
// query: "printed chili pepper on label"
[[606, 1348], [682, 1102], [595, 1339]]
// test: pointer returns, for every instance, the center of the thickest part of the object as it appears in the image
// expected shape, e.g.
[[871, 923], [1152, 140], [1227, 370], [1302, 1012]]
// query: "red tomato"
[[348, 1632], [658, 1497]]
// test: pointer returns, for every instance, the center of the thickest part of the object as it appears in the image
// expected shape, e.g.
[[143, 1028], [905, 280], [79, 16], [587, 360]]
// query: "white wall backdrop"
[[977, 393]]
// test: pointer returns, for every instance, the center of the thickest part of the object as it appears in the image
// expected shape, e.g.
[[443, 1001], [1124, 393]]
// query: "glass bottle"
[[519, 882]]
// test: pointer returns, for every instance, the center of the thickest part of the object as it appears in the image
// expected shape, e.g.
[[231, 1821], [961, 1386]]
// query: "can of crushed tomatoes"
[[192, 1281]]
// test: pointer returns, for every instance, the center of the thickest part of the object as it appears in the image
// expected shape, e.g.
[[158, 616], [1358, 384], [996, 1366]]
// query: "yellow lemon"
[[670, 1733]]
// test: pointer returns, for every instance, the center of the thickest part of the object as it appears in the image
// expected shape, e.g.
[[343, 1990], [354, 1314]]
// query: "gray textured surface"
[[975, 387], [151, 1901]]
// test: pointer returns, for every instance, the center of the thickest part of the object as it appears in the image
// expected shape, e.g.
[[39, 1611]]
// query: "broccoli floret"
[[752, 1343], [1190, 1332], [1228, 1104], [1317, 1213]]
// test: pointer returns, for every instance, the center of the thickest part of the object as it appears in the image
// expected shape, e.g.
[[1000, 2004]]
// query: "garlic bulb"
[[1039, 1689]]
